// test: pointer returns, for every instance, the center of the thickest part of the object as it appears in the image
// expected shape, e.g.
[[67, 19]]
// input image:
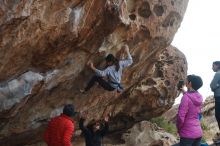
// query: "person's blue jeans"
[[189, 142]]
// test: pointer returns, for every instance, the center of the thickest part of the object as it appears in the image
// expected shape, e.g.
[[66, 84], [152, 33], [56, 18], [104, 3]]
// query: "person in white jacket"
[[113, 72]]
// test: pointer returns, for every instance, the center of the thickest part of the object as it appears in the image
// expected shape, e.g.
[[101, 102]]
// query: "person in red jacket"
[[61, 128]]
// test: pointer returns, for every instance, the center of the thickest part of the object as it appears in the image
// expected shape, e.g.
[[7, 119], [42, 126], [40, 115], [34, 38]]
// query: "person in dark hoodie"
[[94, 132], [188, 124], [215, 87]]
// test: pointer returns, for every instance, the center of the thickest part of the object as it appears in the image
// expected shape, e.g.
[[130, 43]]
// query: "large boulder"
[[44, 48], [209, 121], [146, 133]]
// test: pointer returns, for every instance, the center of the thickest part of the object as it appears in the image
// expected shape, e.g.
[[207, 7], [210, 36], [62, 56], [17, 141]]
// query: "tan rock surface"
[[44, 47], [145, 133], [209, 120]]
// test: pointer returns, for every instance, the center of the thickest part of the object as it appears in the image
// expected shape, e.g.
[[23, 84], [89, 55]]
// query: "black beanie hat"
[[216, 62], [68, 110], [196, 81], [110, 58]]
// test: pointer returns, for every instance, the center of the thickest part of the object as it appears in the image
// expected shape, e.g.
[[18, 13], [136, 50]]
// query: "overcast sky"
[[199, 39]]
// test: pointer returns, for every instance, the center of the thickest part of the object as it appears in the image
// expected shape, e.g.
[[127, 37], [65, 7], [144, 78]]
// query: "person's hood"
[[195, 97]]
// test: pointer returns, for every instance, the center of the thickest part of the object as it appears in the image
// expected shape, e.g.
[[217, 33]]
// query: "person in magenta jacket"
[[188, 124]]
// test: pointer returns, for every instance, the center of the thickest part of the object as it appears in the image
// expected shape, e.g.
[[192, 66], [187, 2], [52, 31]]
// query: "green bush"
[[163, 123], [203, 140], [204, 126]]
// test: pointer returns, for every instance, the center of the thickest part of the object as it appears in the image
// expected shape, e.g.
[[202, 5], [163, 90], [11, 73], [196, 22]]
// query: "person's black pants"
[[217, 111], [101, 82]]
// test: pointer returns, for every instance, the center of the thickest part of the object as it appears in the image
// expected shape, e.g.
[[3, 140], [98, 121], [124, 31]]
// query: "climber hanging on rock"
[[113, 72]]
